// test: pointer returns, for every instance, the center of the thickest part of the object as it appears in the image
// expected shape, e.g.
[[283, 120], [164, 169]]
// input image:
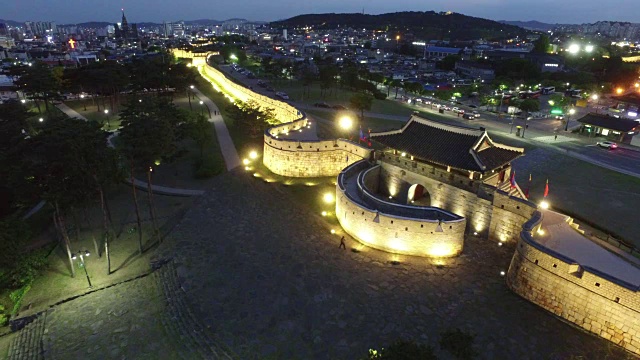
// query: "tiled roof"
[[448, 145], [631, 98], [609, 122]]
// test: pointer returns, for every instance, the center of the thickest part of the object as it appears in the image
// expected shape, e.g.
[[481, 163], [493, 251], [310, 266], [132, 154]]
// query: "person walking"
[[555, 137], [342, 244]]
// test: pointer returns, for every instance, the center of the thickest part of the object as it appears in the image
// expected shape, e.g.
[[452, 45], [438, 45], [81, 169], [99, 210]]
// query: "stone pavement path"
[[227, 147], [140, 319], [70, 112], [267, 277]]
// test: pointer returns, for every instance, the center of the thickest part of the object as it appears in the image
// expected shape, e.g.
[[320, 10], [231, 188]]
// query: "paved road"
[[229, 152]]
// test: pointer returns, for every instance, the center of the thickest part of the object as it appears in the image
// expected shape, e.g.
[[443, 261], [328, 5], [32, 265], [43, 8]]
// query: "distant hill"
[[425, 25], [12, 23], [93, 24], [530, 25]]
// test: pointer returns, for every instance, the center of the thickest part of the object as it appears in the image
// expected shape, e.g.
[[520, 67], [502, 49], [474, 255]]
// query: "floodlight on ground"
[[245, 161], [41, 119], [544, 204], [191, 86], [594, 96], [333, 231], [23, 101], [253, 155], [201, 102], [328, 198], [619, 91], [106, 111]]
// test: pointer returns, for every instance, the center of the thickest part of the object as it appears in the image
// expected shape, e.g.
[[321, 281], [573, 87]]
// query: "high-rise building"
[[40, 28]]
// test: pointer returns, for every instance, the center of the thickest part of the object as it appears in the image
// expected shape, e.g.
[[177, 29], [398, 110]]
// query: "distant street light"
[[571, 112], [208, 111], [84, 102], [41, 119], [106, 114], [594, 96], [81, 255]]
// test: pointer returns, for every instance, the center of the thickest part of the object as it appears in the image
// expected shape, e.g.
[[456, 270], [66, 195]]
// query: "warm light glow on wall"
[[397, 244], [441, 250]]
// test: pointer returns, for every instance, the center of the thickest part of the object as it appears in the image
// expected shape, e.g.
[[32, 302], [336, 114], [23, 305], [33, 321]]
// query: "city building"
[[474, 70], [439, 53], [125, 31], [610, 127]]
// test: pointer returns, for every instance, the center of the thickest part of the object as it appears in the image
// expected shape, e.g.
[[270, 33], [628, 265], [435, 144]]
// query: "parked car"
[[607, 145], [339, 107], [282, 95], [322, 105]]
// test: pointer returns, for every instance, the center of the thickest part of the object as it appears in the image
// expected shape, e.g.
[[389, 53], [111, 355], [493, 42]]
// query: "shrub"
[[379, 95], [208, 166], [403, 350], [459, 343]]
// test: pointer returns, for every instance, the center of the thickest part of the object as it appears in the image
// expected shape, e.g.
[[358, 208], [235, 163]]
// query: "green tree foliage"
[[251, 118], [529, 105], [41, 82], [403, 350], [150, 131], [361, 102], [542, 45], [448, 63], [518, 69]]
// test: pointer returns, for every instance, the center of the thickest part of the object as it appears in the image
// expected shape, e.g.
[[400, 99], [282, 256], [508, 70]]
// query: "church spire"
[[124, 19]]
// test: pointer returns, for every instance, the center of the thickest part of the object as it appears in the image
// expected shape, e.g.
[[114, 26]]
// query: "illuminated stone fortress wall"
[[595, 299], [455, 204]]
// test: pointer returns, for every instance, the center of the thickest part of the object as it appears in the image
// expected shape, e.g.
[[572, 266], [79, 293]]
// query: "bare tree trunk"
[[135, 201], [65, 237], [105, 224], [151, 208], [93, 236]]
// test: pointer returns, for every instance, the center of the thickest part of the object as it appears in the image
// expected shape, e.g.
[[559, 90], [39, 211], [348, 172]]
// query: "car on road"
[[475, 114], [322, 105], [282, 95], [469, 116], [607, 145], [339, 107], [559, 117]]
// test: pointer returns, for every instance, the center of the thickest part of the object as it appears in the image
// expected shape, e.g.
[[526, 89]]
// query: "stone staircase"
[[506, 187], [181, 324], [27, 345]]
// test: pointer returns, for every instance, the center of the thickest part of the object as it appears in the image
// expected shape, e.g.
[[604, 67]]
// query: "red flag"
[[513, 179], [546, 189], [528, 187]]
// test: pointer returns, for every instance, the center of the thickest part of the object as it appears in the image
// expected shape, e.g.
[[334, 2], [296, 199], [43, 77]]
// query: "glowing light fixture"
[[345, 122], [245, 161], [328, 198], [544, 204], [574, 48], [253, 155]]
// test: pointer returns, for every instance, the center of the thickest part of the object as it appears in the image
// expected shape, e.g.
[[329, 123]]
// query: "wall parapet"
[[588, 297], [427, 213], [393, 232]]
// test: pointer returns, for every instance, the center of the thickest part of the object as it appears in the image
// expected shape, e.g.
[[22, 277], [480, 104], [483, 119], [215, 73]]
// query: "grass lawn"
[[603, 197], [55, 282]]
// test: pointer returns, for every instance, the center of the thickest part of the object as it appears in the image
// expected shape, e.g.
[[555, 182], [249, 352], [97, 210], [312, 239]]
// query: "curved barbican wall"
[[394, 233], [597, 302]]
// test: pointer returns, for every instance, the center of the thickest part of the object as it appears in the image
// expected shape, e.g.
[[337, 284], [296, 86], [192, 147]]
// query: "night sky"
[[74, 11]]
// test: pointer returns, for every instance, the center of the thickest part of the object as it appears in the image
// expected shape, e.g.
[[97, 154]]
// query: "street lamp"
[[345, 123], [106, 115], [83, 103], [41, 119], [571, 112], [208, 111], [81, 255]]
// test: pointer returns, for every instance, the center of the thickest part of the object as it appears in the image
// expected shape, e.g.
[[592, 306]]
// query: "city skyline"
[[76, 11]]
